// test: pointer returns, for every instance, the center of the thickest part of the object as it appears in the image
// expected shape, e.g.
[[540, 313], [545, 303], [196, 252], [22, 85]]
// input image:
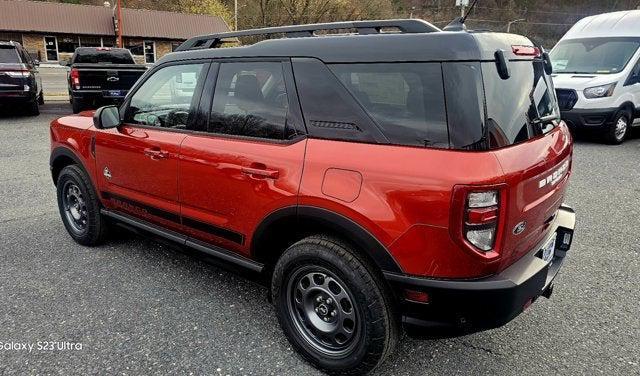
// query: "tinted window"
[[405, 99], [329, 110], [593, 56], [103, 56], [520, 107], [8, 55], [166, 99], [250, 99], [465, 104]]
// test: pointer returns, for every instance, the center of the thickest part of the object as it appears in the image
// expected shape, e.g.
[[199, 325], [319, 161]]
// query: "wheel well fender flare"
[[60, 158], [628, 106], [299, 216]]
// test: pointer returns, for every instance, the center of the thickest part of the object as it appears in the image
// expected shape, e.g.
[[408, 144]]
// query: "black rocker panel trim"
[[174, 217], [212, 250]]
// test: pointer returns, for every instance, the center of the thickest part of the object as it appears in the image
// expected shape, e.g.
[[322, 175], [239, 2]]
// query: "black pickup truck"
[[100, 75]]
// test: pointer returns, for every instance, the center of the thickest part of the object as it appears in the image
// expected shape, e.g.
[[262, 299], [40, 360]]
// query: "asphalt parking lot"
[[141, 307]]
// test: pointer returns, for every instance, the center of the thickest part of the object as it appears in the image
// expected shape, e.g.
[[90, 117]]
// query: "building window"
[[51, 45], [108, 42], [90, 42], [149, 52], [8, 37], [175, 45], [136, 47], [68, 44]]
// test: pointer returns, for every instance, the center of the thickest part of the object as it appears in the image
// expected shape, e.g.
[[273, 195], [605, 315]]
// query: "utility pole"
[[462, 4], [120, 44], [235, 15]]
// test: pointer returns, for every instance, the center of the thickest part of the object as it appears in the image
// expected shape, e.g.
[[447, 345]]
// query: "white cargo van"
[[596, 72]]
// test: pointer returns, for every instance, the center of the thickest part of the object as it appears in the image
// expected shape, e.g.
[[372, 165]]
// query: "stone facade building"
[[52, 31]]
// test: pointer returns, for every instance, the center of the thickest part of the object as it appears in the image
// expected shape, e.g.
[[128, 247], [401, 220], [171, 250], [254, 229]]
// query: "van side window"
[[165, 99], [250, 100], [405, 99], [634, 76]]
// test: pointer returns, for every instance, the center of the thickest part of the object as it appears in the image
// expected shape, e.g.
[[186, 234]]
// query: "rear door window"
[[250, 100], [103, 56], [405, 99], [9, 55]]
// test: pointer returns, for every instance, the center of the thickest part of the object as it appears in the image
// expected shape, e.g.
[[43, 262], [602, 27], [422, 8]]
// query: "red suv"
[[394, 175]]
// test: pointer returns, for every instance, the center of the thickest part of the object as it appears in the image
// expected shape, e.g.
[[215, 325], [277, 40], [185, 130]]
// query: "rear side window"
[[250, 100], [405, 99], [9, 55], [103, 56]]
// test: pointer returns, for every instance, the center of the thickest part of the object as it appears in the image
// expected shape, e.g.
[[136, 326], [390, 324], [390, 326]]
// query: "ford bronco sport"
[[392, 175]]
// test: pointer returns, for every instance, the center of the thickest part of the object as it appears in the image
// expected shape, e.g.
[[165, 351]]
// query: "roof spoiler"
[[298, 31]]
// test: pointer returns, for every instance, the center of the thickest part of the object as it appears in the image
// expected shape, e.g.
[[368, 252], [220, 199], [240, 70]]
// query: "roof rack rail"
[[298, 31]]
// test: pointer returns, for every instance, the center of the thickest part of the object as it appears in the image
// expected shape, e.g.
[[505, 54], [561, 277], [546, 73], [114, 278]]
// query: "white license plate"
[[549, 248]]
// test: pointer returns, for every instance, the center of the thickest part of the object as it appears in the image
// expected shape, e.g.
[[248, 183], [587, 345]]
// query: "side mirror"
[[106, 117], [64, 62]]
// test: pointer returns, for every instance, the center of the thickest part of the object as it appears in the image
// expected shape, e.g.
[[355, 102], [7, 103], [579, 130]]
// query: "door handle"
[[260, 172], [156, 153]]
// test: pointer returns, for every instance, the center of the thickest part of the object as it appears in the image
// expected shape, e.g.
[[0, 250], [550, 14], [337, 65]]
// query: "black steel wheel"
[[333, 306], [79, 206]]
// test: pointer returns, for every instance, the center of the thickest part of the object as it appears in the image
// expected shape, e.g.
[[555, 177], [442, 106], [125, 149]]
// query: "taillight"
[[481, 219], [75, 78], [476, 218], [16, 73]]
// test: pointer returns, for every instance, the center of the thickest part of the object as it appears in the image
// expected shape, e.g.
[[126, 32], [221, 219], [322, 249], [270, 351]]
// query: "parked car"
[[20, 82], [373, 184], [100, 75], [597, 74]]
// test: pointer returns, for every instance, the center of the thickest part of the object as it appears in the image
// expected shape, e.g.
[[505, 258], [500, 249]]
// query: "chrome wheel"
[[621, 128], [322, 309], [75, 209]]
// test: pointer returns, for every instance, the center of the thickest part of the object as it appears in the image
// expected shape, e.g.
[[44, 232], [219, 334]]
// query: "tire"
[[77, 105], [360, 302], [617, 131], [32, 107], [79, 207]]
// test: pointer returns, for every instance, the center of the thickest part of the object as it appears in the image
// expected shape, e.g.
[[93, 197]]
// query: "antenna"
[[458, 23], [468, 11]]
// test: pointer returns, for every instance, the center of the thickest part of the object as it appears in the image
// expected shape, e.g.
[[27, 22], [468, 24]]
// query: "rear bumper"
[[480, 304], [597, 118]]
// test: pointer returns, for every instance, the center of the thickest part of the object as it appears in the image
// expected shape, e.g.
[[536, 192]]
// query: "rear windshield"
[[405, 99], [520, 107], [593, 55], [96, 56], [9, 55]]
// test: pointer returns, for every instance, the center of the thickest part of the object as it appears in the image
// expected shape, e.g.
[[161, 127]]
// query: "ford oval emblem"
[[519, 229]]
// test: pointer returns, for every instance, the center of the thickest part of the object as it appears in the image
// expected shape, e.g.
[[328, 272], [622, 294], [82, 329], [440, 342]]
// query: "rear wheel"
[[332, 307], [77, 105], [616, 133], [79, 207]]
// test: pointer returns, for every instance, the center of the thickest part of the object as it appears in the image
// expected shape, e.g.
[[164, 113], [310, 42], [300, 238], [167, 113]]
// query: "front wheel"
[[616, 133], [79, 207], [333, 307]]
